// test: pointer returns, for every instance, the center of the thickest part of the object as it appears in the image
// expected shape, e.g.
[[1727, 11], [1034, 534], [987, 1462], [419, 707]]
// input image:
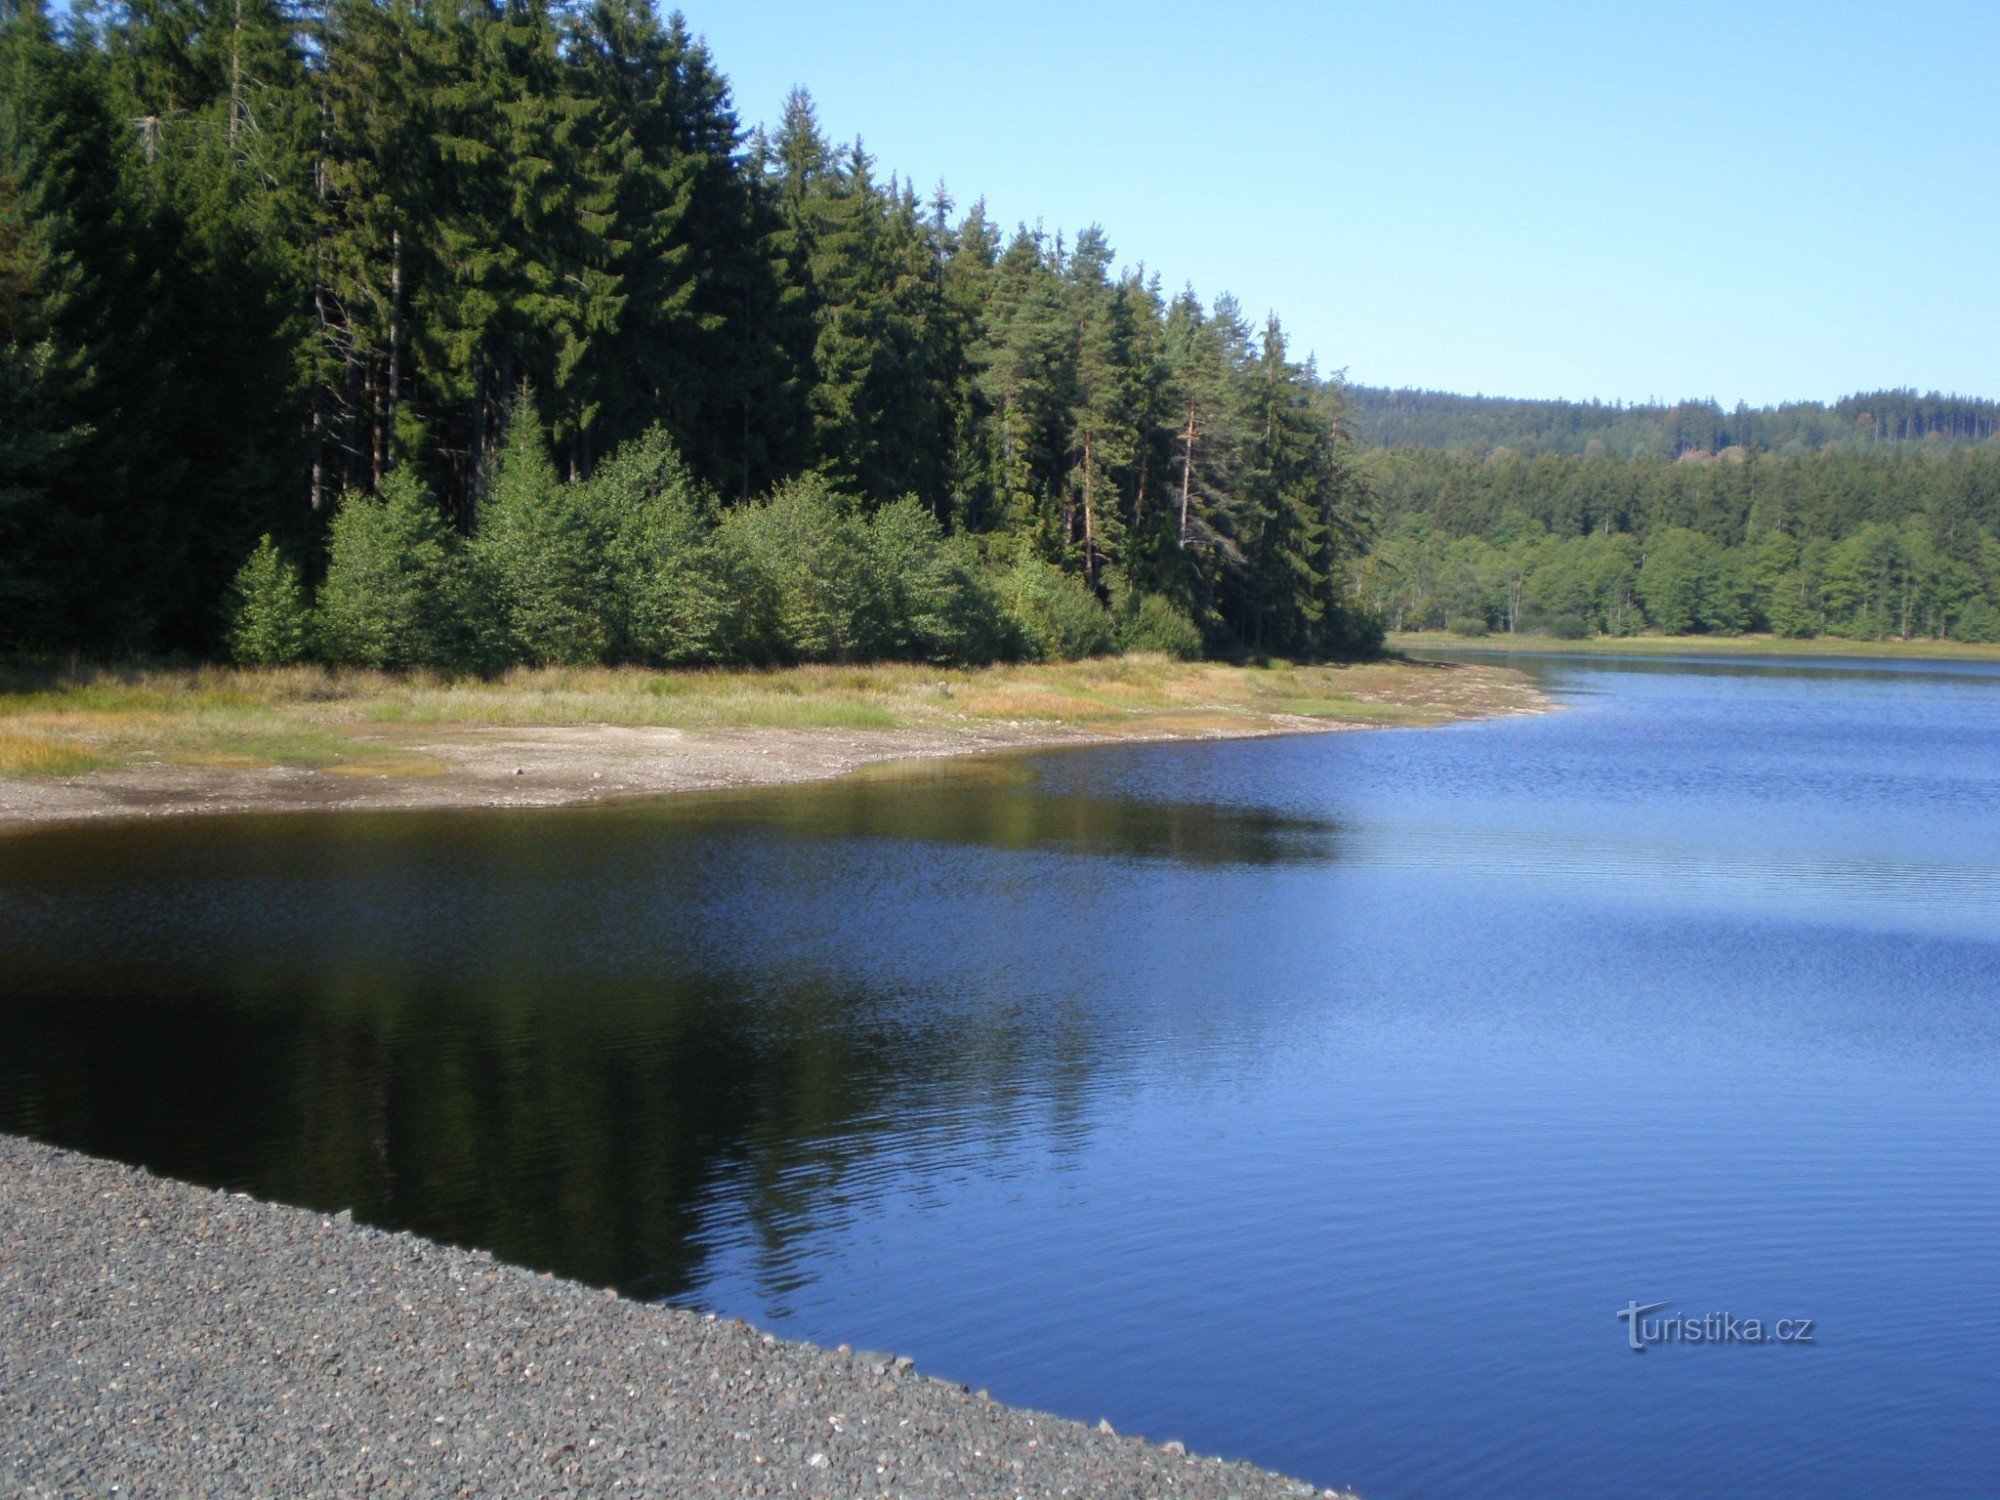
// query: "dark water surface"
[[1316, 1101]]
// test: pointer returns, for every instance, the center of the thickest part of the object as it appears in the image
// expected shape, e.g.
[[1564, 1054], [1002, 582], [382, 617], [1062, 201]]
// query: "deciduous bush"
[[1057, 615], [938, 600], [1153, 622], [674, 595]]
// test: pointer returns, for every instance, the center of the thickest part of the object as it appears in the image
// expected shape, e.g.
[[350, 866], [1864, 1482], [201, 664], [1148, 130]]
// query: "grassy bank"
[[373, 724], [1698, 645]]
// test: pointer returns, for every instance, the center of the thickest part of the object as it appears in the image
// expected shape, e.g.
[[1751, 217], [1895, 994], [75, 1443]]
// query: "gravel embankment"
[[160, 1339]]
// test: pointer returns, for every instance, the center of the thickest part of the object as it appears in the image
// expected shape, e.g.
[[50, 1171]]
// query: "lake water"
[[1318, 1101]]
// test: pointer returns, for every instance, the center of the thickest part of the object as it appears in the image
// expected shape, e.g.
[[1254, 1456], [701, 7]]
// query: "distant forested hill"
[[1875, 517], [1482, 425]]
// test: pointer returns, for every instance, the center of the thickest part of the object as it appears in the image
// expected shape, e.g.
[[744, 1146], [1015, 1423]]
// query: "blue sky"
[[1758, 202]]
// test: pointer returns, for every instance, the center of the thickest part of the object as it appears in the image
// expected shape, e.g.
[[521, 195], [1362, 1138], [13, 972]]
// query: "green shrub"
[[810, 587], [674, 596], [1350, 631], [1978, 621], [1153, 622], [1058, 618], [938, 603], [538, 556], [1466, 625], [396, 592], [1568, 627], [270, 621]]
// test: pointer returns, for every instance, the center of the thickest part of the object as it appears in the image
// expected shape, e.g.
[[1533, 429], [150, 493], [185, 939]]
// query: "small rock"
[[818, 1460], [519, 772], [1175, 1445], [1104, 1425], [904, 1362]]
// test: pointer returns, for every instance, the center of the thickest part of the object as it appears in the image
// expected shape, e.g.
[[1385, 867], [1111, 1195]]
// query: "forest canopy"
[[426, 332], [1874, 544], [462, 333]]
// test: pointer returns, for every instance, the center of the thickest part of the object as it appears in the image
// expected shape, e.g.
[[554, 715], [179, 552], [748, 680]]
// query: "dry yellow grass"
[[27, 754], [375, 724]]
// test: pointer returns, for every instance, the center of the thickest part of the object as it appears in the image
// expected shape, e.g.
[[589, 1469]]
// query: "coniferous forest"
[[393, 333], [399, 333]]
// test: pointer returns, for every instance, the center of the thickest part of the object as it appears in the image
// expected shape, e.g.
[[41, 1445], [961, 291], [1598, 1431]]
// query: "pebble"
[[161, 1339]]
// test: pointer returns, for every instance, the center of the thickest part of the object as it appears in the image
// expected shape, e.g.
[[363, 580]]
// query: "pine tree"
[[1286, 475], [37, 439], [1023, 359], [217, 89], [1103, 443]]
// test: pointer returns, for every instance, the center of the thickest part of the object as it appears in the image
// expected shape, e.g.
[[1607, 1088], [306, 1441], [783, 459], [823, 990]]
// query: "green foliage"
[[270, 621], [255, 258], [674, 596], [937, 600], [1482, 425], [397, 593], [1152, 622], [812, 591], [1841, 542], [1979, 621], [1057, 617], [537, 555], [1684, 584]]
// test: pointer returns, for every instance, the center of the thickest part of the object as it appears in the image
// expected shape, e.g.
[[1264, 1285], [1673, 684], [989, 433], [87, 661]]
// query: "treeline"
[[1496, 426], [284, 271], [639, 564], [1844, 542]]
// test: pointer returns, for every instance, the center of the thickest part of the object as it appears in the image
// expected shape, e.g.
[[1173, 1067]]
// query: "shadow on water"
[[564, 1129], [528, 1031], [1001, 803]]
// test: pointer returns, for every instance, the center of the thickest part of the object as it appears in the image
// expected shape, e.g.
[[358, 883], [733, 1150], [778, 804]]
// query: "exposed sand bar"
[[154, 748]]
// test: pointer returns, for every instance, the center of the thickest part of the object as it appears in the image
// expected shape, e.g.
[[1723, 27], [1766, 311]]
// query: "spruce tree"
[[674, 596], [537, 554], [270, 621], [806, 566], [396, 593]]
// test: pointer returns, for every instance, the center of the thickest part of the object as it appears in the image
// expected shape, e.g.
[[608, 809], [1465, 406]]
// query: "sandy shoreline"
[[165, 1339], [553, 765]]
